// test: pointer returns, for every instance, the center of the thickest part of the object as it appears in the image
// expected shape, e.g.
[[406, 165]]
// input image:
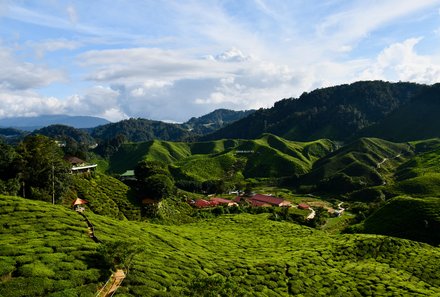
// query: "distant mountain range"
[[341, 113], [393, 111], [33, 123]]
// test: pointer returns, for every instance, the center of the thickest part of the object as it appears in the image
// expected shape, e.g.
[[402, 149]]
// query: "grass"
[[407, 217], [44, 251], [268, 156]]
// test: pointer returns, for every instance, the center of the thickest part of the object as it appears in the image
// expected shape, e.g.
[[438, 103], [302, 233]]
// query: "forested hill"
[[144, 130], [141, 130], [336, 112], [215, 120], [419, 119]]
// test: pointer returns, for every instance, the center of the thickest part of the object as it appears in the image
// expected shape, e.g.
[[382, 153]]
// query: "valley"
[[297, 209]]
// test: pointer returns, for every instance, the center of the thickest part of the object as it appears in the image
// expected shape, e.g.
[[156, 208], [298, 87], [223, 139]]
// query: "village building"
[[77, 204], [266, 200], [303, 206], [80, 166]]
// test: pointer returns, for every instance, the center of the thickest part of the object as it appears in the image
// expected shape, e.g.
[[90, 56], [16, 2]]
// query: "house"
[[260, 199], [201, 203], [127, 175], [222, 201], [79, 166], [77, 204], [303, 206]]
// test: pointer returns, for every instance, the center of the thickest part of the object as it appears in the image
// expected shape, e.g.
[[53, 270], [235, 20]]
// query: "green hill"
[[418, 119], [107, 196], [268, 156], [45, 251], [406, 217], [362, 163], [336, 113]]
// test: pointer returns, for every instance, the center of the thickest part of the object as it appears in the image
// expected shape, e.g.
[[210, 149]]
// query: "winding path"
[[113, 283]]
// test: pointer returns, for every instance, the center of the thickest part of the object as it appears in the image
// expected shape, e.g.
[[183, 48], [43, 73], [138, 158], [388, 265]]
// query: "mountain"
[[139, 129], [66, 133], [136, 130], [32, 123], [363, 163], [229, 160], [215, 120], [336, 113], [418, 119]]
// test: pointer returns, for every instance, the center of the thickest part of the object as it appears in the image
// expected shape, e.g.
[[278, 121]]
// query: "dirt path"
[[112, 284], [312, 214]]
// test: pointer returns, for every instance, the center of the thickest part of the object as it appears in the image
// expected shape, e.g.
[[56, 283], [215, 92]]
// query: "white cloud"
[[72, 13], [400, 61], [19, 75], [27, 103], [43, 47]]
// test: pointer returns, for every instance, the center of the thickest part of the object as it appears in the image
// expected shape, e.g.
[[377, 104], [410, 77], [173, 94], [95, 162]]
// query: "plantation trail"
[[112, 284], [312, 214], [383, 161], [115, 280]]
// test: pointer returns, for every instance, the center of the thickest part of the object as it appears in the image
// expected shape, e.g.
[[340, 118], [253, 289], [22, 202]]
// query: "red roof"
[[303, 206], [219, 200], [201, 203], [79, 201], [269, 199], [259, 203], [74, 160]]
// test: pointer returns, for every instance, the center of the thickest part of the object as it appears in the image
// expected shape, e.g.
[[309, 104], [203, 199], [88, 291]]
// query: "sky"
[[172, 60]]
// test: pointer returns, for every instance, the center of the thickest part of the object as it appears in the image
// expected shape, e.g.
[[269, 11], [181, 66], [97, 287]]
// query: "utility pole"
[[53, 183]]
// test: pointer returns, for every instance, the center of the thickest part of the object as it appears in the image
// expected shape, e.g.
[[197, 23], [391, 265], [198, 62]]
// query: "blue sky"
[[171, 60]]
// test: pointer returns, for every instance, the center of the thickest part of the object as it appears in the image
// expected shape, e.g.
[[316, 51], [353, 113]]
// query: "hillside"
[[362, 163], [336, 113], [45, 251], [407, 217], [418, 119], [107, 196], [67, 134], [138, 130], [215, 120], [268, 156]]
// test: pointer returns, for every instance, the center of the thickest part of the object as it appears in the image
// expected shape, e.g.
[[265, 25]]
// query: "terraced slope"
[[268, 156], [364, 162], [44, 251], [407, 217]]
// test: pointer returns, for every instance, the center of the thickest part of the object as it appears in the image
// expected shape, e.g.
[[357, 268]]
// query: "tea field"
[[45, 251]]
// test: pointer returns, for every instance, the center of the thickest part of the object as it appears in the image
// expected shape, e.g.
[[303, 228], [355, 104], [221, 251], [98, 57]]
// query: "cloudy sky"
[[171, 60]]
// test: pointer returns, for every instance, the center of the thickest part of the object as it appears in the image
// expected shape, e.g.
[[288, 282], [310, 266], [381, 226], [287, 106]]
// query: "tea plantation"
[[45, 251]]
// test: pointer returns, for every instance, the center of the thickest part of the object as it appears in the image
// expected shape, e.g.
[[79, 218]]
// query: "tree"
[[158, 186], [119, 254], [145, 169], [41, 168]]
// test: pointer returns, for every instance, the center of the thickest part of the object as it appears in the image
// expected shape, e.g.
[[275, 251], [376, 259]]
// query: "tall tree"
[[42, 169]]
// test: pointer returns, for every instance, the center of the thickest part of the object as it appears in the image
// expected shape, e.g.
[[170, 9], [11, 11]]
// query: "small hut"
[[77, 204]]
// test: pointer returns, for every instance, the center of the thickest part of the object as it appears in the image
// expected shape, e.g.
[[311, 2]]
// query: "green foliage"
[[231, 255], [416, 120], [41, 168], [406, 217], [228, 160], [77, 141], [363, 163], [107, 196], [157, 186], [145, 169], [337, 113]]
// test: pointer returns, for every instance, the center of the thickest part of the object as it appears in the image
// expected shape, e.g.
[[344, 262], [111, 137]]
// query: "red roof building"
[[222, 201], [303, 206], [266, 199]]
